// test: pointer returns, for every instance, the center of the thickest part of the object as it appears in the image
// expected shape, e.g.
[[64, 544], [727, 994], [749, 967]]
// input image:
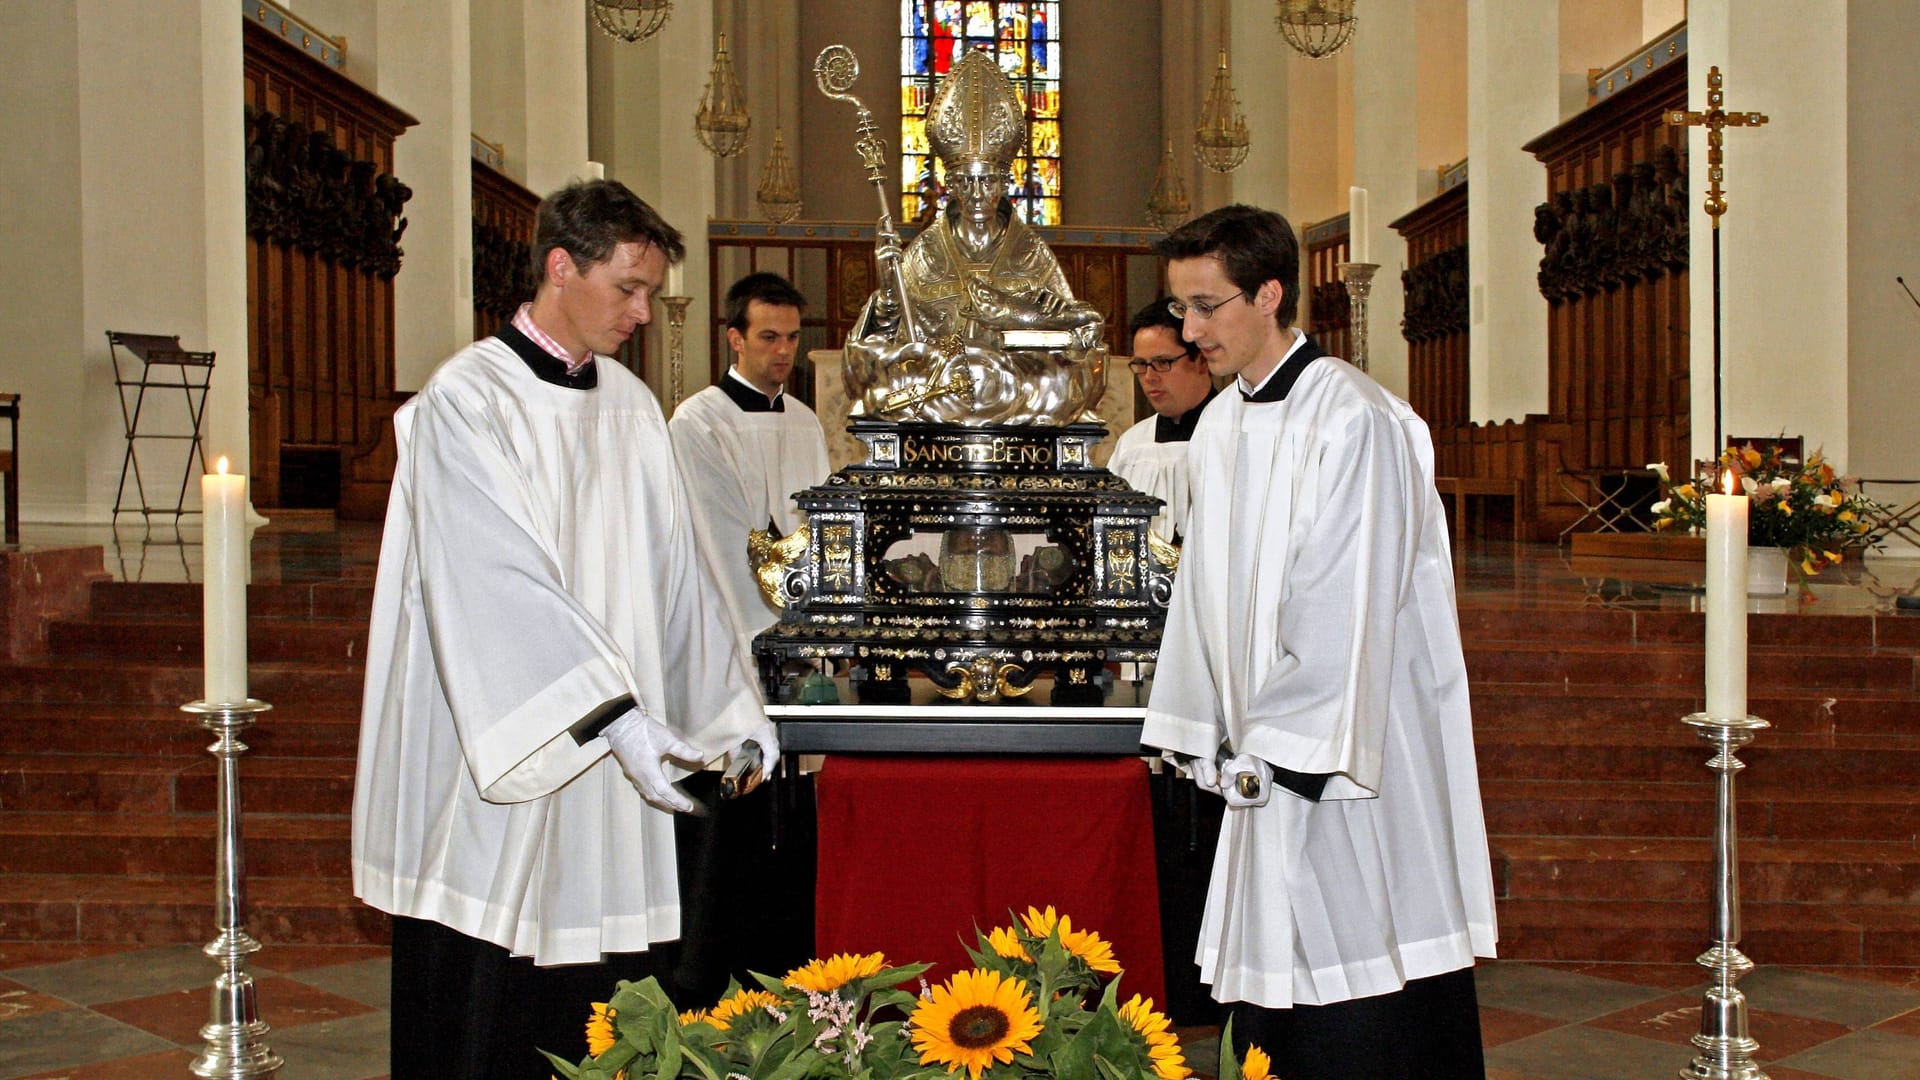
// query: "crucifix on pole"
[[1715, 119]]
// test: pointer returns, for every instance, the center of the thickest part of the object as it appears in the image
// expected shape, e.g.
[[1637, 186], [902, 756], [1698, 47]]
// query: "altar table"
[[915, 852]]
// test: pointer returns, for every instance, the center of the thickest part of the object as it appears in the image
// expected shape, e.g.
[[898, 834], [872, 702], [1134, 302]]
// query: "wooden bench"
[[1458, 489], [10, 467]]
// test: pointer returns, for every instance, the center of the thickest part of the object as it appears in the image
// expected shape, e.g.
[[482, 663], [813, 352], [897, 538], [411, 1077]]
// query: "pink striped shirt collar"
[[523, 322]]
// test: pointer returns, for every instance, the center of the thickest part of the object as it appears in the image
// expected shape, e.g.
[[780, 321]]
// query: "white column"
[[224, 209], [1784, 239], [555, 90], [430, 77], [1513, 77], [1257, 60], [1386, 144]]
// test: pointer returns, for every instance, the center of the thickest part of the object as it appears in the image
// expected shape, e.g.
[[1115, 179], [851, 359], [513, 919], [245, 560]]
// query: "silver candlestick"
[[1726, 1050], [236, 1036], [676, 343], [1358, 277]]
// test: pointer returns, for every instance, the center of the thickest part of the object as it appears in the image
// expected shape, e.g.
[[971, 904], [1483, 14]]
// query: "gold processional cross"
[[1716, 119]]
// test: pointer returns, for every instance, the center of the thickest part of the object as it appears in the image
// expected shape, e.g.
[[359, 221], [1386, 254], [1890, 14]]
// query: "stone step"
[[75, 682], [1601, 711], [1663, 868], [290, 729], [1678, 809], [1483, 626], [179, 641], [319, 600], [1673, 754], [1675, 931], [64, 783], [160, 910], [172, 845], [1665, 668]]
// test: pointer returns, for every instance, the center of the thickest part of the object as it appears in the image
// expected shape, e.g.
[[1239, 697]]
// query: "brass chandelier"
[[630, 20], [1316, 28], [722, 122], [779, 194], [1167, 204], [1221, 142]]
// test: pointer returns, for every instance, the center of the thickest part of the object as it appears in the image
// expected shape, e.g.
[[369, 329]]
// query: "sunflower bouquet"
[[1805, 509], [1042, 1000]]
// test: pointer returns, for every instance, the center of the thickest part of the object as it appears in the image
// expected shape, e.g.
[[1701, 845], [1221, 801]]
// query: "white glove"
[[768, 737], [742, 778], [642, 746], [1205, 773], [1244, 772]]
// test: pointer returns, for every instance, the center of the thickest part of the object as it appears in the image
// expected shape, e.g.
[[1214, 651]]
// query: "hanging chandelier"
[[1316, 28], [1167, 204], [722, 121], [779, 193], [630, 20], [1221, 142]]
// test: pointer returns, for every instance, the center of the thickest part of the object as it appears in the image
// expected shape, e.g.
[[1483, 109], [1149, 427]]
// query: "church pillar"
[[1513, 59], [1784, 239], [645, 96], [426, 69], [1386, 145], [555, 90]]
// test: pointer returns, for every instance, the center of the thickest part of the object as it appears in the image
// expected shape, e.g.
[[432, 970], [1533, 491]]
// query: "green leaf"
[[1229, 1065]]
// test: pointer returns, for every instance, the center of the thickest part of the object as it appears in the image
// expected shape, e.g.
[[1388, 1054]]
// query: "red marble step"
[[1659, 868], [96, 682], [295, 729], [1601, 711], [329, 641], [1487, 626], [1658, 667], [1675, 931], [1676, 755], [320, 600], [166, 784], [118, 843], [157, 910], [1678, 809]]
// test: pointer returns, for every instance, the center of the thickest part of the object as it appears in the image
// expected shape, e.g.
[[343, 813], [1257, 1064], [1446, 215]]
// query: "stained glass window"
[[1024, 37]]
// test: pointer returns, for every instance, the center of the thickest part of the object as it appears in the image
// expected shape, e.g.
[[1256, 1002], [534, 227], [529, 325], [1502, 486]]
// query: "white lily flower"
[[1660, 469], [1660, 507]]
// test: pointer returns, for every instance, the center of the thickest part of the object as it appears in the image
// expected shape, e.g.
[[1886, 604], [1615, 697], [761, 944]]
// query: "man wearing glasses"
[[1152, 454], [1311, 672]]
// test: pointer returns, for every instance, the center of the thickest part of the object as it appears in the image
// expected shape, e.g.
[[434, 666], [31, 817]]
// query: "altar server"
[[548, 653], [1311, 671], [745, 446], [1152, 454]]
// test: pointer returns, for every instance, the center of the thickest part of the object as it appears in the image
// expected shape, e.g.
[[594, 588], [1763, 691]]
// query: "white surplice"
[[1157, 468], [538, 563], [1313, 625], [742, 470]]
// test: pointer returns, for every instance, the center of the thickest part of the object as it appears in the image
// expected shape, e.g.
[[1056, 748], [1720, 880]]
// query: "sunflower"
[[693, 1016], [975, 1019], [740, 1004], [1162, 1048], [1256, 1065], [1005, 941], [600, 1034], [826, 976], [1084, 944]]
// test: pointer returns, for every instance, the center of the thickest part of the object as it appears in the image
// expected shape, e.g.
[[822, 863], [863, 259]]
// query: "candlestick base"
[[1358, 277], [1726, 1049], [236, 1046]]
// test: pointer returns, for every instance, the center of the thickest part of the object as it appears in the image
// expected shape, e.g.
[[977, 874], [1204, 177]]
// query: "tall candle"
[[1727, 605], [596, 171], [223, 498], [1357, 225], [676, 281]]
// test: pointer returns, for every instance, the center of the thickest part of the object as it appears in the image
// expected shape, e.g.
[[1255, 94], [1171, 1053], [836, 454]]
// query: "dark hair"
[[769, 288], [1255, 246], [1156, 313], [587, 219]]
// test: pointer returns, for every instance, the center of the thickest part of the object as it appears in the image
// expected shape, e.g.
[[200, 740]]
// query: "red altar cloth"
[[916, 852]]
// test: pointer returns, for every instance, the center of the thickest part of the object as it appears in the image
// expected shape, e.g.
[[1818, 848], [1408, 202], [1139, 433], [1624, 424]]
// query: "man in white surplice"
[[1311, 672], [548, 654], [1152, 454], [745, 446]]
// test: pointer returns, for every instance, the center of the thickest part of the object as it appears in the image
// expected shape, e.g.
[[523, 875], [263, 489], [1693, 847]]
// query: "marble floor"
[[106, 1013]]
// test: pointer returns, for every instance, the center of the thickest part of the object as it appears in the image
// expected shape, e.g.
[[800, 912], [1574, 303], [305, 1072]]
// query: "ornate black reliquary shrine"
[[982, 558]]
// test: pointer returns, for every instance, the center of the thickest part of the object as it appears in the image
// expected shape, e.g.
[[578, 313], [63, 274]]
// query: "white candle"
[[596, 171], [1357, 225], [676, 281], [1727, 605], [223, 498]]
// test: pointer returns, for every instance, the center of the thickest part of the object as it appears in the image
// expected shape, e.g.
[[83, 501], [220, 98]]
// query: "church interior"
[[250, 230]]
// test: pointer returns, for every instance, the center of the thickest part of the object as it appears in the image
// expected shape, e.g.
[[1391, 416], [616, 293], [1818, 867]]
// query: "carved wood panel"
[[1435, 323], [1327, 314], [503, 274]]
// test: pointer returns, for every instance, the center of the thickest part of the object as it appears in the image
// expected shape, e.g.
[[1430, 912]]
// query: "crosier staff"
[[835, 71]]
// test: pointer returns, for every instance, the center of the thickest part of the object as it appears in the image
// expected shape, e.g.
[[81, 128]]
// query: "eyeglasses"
[[1179, 308], [1162, 364]]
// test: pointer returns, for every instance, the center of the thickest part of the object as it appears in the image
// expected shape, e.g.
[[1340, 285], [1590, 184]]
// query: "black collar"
[[1180, 428], [749, 398], [545, 366], [1281, 384]]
